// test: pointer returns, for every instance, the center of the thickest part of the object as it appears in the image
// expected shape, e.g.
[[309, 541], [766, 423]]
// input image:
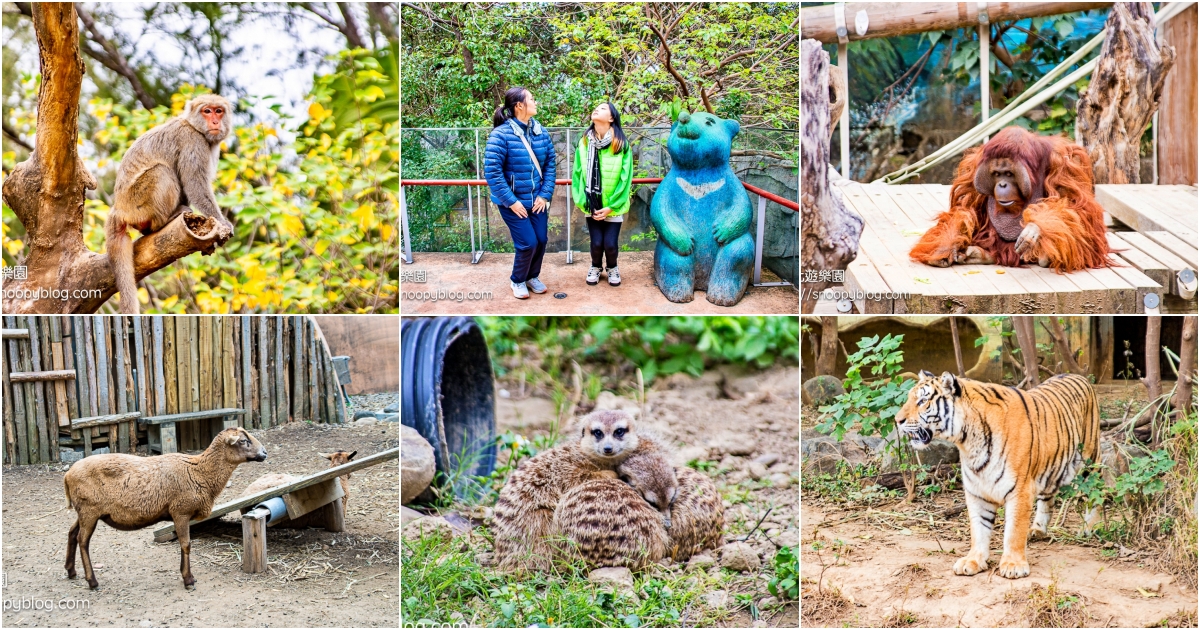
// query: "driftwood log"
[[829, 230], [46, 193], [1114, 110]]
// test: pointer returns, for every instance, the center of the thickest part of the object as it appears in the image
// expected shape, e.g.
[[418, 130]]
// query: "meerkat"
[[608, 524], [697, 515], [524, 513], [649, 471]]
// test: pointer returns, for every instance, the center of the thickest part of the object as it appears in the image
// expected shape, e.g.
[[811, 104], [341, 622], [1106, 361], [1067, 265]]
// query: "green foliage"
[[574, 56], [442, 577], [786, 583], [659, 346], [845, 485], [873, 404]]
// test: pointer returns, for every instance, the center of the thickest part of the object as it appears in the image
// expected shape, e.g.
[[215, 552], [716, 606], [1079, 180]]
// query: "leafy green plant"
[[786, 583], [871, 404]]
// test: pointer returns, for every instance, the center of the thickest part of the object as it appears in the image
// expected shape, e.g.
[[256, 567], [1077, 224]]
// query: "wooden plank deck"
[[1153, 234]]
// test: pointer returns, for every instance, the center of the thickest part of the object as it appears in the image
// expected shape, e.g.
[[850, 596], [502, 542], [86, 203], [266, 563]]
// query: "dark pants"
[[529, 239], [604, 241]]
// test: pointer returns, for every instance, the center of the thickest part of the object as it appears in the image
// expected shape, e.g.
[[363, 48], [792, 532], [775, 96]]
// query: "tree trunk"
[[829, 346], [1060, 344], [1152, 380], [46, 193], [1186, 380], [1113, 111], [957, 347], [830, 230], [1023, 327]]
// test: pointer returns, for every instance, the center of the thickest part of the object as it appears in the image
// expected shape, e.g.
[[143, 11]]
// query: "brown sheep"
[[274, 480], [130, 492]]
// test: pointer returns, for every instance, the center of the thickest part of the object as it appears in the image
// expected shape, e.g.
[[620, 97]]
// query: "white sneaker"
[[535, 285], [614, 277], [593, 277], [519, 291]]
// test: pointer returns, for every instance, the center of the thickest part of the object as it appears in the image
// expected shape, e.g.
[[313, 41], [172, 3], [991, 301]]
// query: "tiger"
[[1013, 445]]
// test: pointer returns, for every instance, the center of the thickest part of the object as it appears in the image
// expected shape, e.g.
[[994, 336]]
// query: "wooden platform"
[[1153, 226]]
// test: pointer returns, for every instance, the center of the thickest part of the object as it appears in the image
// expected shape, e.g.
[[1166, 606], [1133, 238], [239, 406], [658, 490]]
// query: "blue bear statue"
[[702, 215]]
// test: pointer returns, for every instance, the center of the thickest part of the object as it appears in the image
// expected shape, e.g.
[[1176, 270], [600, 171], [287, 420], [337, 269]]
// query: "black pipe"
[[447, 393]]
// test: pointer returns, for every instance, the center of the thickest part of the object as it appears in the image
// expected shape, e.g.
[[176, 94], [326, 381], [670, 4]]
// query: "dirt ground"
[[894, 557], [314, 578], [453, 274], [692, 411]]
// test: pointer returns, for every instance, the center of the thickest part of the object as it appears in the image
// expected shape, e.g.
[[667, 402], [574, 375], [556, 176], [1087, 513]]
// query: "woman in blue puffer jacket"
[[519, 168]]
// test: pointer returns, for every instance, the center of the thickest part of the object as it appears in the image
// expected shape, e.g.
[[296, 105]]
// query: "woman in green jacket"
[[601, 182]]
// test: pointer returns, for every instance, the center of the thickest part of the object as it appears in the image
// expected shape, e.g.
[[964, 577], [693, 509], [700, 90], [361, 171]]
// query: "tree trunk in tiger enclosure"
[[1152, 380], [46, 192], [829, 345], [958, 362], [1113, 111], [1186, 381], [1023, 327], [1056, 332], [830, 231]]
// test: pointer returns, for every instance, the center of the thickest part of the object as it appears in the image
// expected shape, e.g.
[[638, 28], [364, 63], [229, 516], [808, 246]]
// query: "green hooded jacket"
[[616, 178]]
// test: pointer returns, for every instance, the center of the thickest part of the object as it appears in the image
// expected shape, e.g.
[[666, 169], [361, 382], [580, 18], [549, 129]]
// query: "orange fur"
[[1070, 221], [1016, 447]]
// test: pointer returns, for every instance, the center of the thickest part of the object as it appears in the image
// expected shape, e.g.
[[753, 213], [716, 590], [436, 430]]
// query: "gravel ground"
[[372, 402]]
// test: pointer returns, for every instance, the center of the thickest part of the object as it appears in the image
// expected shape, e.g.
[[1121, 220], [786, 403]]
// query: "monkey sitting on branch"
[[166, 170]]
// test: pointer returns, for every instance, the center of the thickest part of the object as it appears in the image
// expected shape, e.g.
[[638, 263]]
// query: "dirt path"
[[315, 578], [699, 413], [884, 570]]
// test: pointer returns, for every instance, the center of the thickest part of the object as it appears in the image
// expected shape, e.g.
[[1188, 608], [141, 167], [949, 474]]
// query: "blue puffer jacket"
[[510, 173]]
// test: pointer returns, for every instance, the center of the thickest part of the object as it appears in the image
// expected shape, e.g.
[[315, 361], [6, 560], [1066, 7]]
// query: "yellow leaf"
[[14, 246], [292, 225], [321, 246], [365, 215], [385, 230], [326, 141], [318, 113], [170, 302]]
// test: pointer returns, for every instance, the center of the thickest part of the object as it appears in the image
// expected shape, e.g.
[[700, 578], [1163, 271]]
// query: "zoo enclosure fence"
[[445, 157], [59, 370]]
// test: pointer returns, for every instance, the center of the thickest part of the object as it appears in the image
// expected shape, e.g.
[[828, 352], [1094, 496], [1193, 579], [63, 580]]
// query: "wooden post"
[[170, 441], [827, 358], [1185, 382], [39, 395], [265, 411], [985, 57], [1175, 125], [254, 540], [957, 347], [335, 516], [247, 375], [281, 397], [1023, 327], [18, 400], [119, 443]]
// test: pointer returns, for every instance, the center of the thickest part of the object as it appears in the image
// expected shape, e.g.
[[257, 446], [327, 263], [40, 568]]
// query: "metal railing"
[[481, 185]]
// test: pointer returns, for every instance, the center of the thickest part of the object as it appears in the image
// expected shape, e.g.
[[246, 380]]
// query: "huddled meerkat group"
[[612, 497]]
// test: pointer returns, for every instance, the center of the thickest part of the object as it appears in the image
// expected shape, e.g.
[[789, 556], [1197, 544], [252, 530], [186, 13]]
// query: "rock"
[[740, 556], [100, 451], [717, 599], [760, 623], [937, 452], [620, 578], [819, 391], [392, 408], [416, 463], [767, 459], [366, 421], [787, 538], [609, 400], [767, 602], [408, 515], [739, 380], [363, 414], [145, 623], [822, 454], [756, 470], [486, 559], [782, 467], [387, 417], [700, 561], [781, 480], [1115, 460], [456, 616], [69, 455], [428, 526], [690, 454], [733, 443]]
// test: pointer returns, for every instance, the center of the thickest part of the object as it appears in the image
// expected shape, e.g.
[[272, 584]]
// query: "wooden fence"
[[57, 369]]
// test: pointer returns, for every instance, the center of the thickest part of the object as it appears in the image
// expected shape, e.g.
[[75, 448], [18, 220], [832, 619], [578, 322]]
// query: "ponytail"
[[503, 113]]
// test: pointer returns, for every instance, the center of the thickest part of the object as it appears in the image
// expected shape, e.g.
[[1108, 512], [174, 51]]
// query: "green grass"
[[443, 577]]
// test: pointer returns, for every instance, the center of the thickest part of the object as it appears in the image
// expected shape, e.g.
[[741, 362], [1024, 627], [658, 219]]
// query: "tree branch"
[[15, 137], [350, 27], [666, 52], [381, 17], [112, 58]]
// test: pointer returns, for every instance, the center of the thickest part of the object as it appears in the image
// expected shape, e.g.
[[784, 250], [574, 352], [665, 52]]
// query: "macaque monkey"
[[166, 170]]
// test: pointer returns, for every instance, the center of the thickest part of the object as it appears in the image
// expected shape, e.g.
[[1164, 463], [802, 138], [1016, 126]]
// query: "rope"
[[1027, 100]]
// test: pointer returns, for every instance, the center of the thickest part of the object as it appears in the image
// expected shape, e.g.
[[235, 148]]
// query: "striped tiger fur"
[[1014, 446]]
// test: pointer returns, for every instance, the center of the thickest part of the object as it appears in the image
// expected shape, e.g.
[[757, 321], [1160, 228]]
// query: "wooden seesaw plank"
[[167, 532]]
